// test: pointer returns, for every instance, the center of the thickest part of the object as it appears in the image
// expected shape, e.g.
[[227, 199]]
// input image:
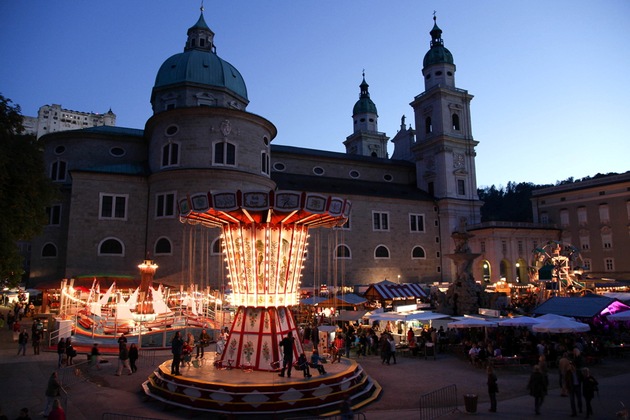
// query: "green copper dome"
[[438, 54], [200, 67], [199, 64], [364, 105]]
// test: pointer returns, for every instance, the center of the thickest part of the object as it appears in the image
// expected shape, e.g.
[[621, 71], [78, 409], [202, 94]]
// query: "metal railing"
[[438, 403]]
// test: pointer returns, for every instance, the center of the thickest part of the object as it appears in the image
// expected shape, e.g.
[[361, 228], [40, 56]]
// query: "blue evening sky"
[[550, 78]]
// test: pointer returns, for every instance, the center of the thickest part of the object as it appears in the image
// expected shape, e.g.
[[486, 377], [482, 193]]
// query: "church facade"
[[120, 187]]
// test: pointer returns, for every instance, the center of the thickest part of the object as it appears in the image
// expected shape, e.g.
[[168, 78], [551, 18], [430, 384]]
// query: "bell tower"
[[366, 139], [444, 150]]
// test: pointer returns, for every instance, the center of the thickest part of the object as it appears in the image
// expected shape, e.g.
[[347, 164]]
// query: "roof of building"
[[302, 151], [438, 53], [200, 65], [578, 307], [344, 187], [113, 130], [122, 169], [364, 105]]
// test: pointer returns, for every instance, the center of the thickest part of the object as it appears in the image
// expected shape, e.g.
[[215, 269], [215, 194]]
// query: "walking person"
[[123, 358], [95, 356], [133, 357], [53, 390], [177, 346], [589, 387], [22, 341], [493, 389], [286, 344], [392, 349], [537, 388], [61, 350], [573, 382], [37, 338], [70, 352]]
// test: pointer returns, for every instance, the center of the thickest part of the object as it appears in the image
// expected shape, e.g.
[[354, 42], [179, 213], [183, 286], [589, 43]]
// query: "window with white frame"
[[343, 252], [58, 171], [111, 247], [380, 220], [604, 213], [163, 247], [165, 205], [264, 163], [170, 155], [587, 264], [49, 251], [381, 252], [224, 153], [113, 206], [416, 222], [564, 217], [544, 217], [585, 242], [582, 216], [461, 187], [418, 253], [54, 215], [607, 240], [609, 264]]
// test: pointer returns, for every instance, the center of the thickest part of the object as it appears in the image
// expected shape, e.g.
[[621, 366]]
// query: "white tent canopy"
[[471, 323], [619, 316], [406, 316], [561, 326], [520, 321]]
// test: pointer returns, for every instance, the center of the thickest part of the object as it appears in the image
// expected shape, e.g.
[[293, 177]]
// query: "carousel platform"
[[244, 392]]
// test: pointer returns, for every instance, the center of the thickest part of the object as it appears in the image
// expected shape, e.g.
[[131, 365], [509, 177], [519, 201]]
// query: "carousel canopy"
[[580, 307]]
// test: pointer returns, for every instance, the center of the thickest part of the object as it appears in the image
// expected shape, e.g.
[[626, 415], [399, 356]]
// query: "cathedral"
[[120, 187]]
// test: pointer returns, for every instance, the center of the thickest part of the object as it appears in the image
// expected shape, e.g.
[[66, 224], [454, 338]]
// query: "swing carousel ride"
[[558, 268], [264, 239]]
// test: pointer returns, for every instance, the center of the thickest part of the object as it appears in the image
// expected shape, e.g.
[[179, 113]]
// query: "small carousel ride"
[[558, 267]]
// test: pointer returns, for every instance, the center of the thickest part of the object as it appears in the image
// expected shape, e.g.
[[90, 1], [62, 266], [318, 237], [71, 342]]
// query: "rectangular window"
[[604, 214], [504, 246], [609, 264], [461, 187], [416, 222], [483, 246], [380, 220], [585, 243], [224, 153], [264, 163], [607, 241], [170, 154], [581, 213], [520, 247], [113, 206], [587, 264], [165, 205], [54, 215]]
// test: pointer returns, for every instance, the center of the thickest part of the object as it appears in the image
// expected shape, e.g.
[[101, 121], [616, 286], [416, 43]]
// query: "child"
[[316, 360], [302, 364]]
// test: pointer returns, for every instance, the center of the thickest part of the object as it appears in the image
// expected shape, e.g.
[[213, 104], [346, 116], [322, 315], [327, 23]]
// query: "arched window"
[[217, 247], [163, 246], [381, 251], [343, 252], [418, 253], [224, 153], [455, 119], [170, 155], [58, 171], [485, 270], [112, 247], [49, 251], [428, 127]]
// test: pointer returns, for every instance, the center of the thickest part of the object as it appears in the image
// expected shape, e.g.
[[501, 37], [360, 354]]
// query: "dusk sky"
[[549, 78]]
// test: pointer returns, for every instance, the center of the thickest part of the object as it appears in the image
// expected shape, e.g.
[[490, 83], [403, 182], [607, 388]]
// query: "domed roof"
[[438, 54], [199, 64], [364, 105], [201, 67]]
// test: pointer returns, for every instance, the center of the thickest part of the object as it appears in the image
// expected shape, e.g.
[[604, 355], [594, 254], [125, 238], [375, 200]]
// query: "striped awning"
[[389, 290]]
